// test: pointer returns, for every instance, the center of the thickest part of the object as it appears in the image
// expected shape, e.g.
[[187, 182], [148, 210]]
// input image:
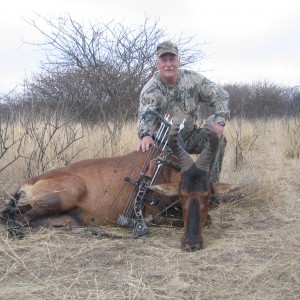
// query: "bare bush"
[[260, 100], [51, 141], [42, 141], [11, 141], [242, 140], [291, 133]]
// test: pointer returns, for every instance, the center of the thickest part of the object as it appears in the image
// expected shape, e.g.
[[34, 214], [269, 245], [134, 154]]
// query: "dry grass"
[[251, 250]]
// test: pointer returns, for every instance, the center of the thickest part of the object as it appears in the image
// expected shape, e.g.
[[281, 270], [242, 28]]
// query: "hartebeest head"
[[194, 188]]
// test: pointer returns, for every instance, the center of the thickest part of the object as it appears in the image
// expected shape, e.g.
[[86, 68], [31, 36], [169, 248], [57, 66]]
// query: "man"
[[182, 93]]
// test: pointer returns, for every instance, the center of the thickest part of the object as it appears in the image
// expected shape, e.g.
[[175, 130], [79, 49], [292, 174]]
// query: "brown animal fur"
[[86, 191]]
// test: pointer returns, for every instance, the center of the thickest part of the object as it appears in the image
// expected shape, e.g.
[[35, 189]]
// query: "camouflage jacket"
[[183, 100]]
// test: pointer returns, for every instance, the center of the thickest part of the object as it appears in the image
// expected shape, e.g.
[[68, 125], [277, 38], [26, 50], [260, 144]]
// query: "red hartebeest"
[[93, 192]]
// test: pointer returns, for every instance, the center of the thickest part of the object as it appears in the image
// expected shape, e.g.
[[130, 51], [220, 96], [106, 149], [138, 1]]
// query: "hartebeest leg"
[[49, 205], [58, 221]]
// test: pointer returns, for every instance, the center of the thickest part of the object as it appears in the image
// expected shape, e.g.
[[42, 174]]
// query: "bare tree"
[[109, 62]]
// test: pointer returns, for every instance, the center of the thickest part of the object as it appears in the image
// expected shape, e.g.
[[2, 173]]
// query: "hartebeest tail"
[[8, 216], [194, 187]]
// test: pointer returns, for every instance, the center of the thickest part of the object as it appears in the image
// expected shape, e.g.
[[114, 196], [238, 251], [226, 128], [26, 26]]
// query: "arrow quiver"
[[132, 215]]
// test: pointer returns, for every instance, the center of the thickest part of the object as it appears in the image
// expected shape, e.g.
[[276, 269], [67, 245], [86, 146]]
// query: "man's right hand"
[[145, 143]]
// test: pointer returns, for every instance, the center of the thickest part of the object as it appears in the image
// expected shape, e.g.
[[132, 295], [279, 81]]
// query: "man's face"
[[168, 65]]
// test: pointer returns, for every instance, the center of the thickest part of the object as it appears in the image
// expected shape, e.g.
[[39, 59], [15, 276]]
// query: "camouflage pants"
[[197, 141]]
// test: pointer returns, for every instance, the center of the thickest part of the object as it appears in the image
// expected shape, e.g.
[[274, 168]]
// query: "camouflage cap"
[[166, 47]]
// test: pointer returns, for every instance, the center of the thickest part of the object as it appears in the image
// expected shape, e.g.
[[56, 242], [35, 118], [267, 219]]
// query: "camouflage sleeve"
[[148, 101], [217, 97]]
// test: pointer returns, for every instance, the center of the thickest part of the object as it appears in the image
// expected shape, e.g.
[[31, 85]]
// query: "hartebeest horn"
[[184, 159], [204, 160]]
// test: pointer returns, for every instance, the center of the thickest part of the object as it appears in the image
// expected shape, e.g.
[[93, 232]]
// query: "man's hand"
[[145, 144], [219, 129]]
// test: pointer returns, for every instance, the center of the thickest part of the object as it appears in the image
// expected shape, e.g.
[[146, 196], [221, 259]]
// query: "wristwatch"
[[146, 133], [221, 123]]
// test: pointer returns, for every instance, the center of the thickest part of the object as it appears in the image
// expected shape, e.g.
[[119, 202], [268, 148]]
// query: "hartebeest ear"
[[222, 188], [168, 189]]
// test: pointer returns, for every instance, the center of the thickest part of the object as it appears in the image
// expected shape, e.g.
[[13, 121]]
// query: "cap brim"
[[167, 52]]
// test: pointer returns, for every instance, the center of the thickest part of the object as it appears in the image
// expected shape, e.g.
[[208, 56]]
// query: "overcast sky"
[[244, 41]]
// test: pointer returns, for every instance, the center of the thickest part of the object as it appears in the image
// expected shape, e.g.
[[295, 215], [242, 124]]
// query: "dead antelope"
[[93, 192], [88, 192]]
